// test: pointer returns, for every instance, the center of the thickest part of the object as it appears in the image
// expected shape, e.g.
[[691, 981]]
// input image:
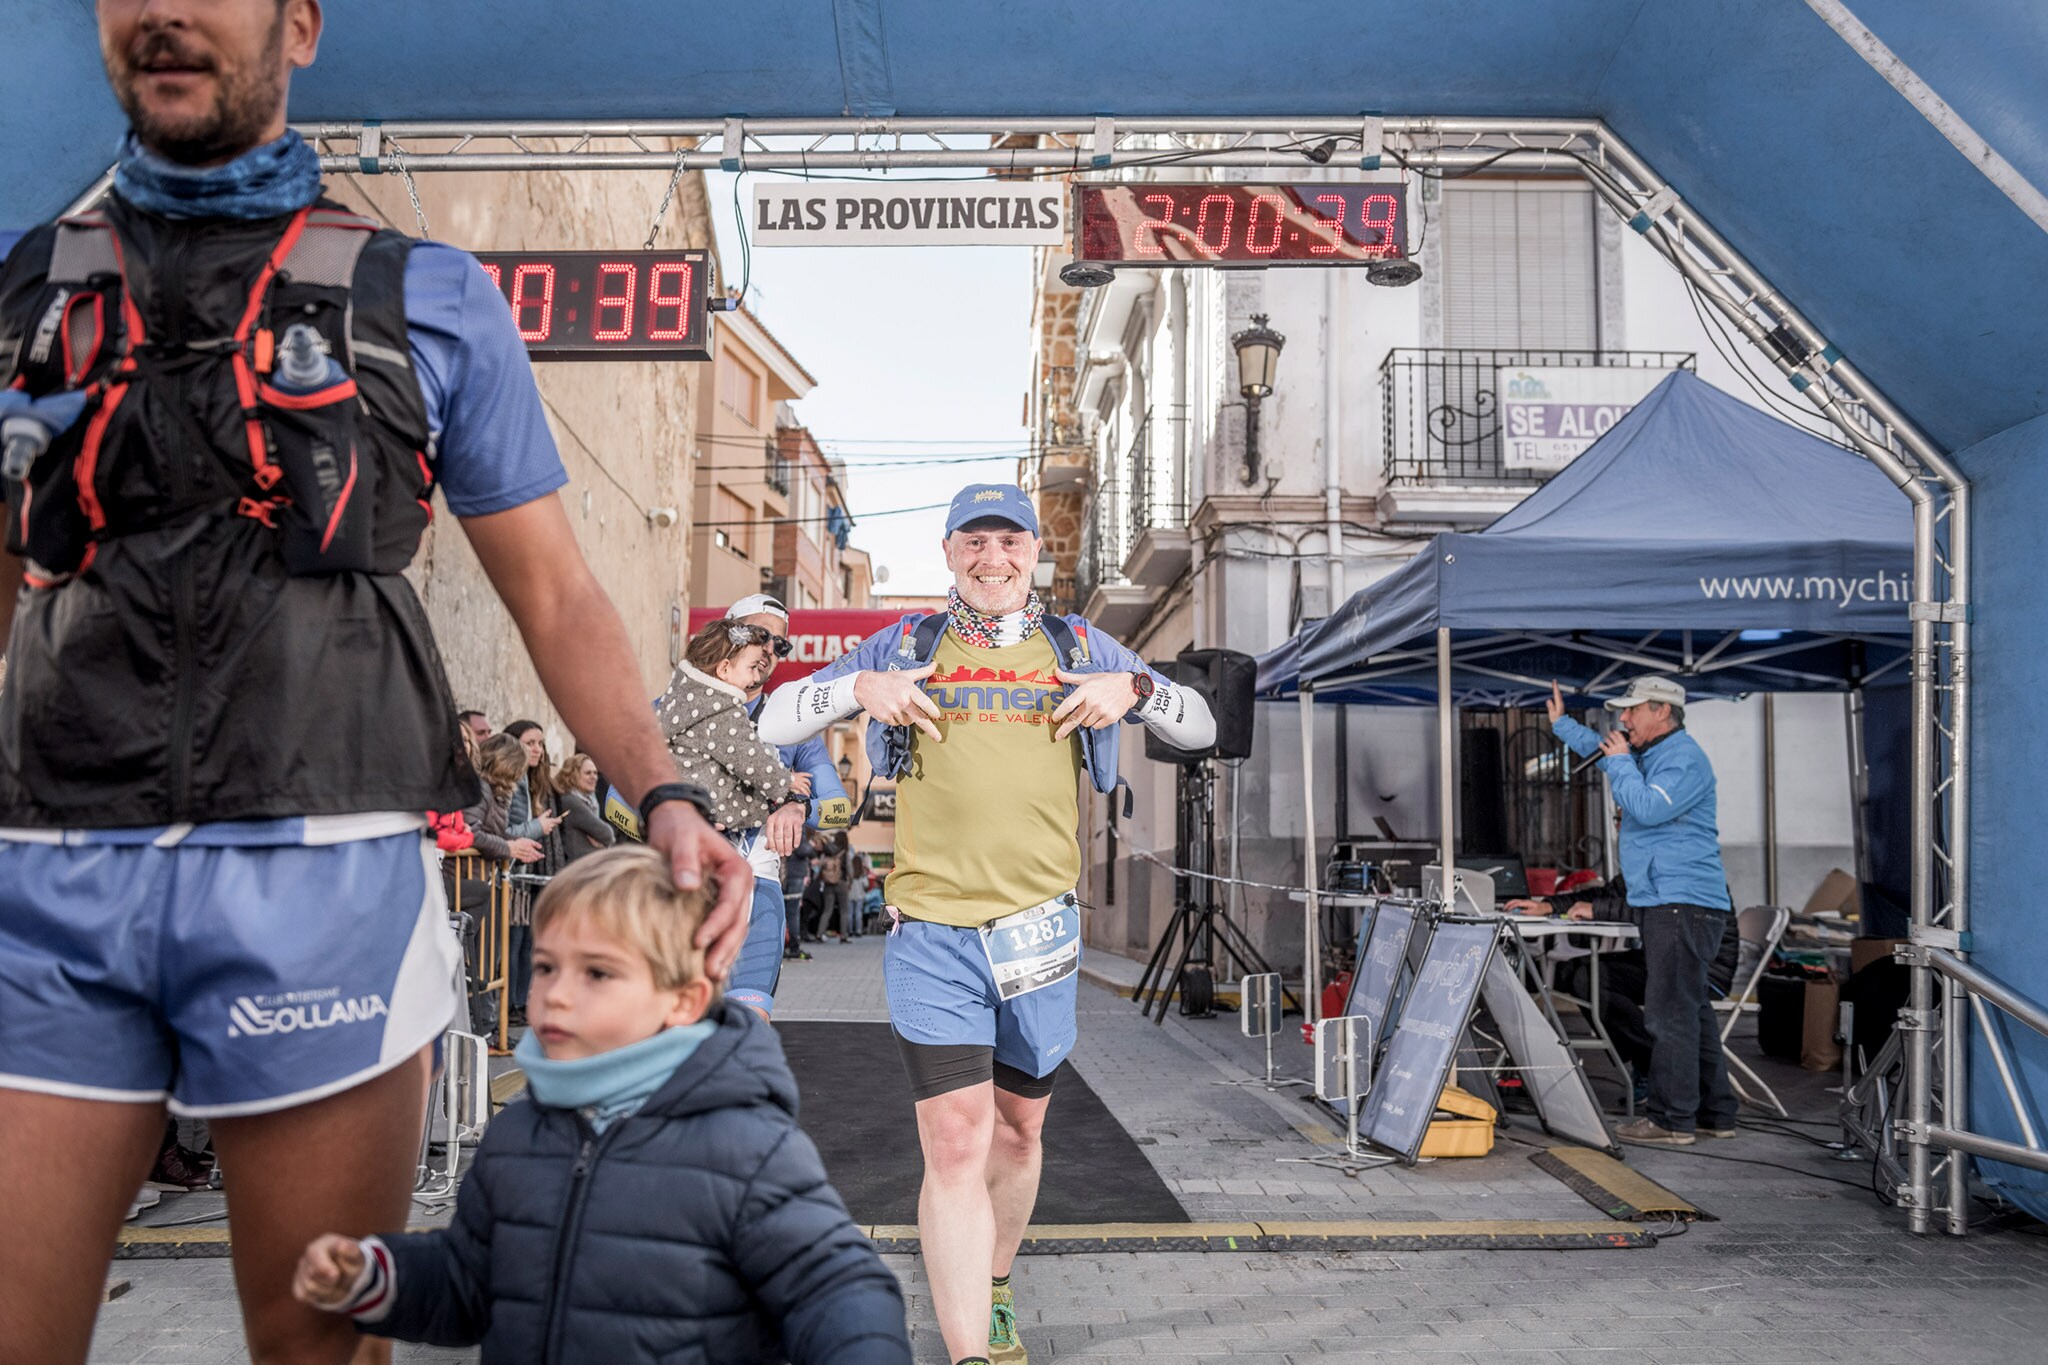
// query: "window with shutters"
[[739, 389], [1519, 266], [735, 517]]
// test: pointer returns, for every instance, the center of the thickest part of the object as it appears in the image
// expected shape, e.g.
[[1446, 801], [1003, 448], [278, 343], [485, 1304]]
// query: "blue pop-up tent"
[[1700, 538]]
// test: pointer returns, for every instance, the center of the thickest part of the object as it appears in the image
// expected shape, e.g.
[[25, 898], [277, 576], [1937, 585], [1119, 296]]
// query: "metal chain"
[[667, 196], [412, 191]]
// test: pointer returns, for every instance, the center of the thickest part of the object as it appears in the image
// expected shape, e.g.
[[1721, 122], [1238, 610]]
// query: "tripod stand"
[[1198, 926]]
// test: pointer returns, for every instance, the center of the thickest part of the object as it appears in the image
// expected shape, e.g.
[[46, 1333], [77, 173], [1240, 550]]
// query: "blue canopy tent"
[[1908, 223], [1700, 538]]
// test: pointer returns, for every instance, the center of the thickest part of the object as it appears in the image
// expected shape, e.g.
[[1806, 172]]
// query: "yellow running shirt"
[[988, 822]]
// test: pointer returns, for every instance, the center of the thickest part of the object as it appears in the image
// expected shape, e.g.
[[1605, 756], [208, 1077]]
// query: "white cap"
[[755, 604], [1649, 687]]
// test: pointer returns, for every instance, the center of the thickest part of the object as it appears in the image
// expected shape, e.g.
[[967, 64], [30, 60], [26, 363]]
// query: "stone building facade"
[[625, 430]]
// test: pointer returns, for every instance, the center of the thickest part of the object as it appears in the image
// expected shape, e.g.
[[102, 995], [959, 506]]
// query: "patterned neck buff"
[[992, 632], [267, 182]]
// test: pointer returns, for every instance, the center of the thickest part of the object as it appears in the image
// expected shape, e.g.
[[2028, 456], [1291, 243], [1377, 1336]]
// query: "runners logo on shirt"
[[260, 1016], [995, 693]]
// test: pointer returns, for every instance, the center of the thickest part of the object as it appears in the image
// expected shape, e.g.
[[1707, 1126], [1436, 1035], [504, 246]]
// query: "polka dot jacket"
[[714, 745]]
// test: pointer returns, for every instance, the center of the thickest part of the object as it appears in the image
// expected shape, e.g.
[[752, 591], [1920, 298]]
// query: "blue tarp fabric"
[[1696, 514]]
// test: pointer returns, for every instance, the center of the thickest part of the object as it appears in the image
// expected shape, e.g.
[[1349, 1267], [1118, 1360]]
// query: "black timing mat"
[[856, 1107]]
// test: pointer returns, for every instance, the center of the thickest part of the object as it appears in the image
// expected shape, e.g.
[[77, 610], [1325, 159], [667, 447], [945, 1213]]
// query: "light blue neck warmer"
[[612, 1084]]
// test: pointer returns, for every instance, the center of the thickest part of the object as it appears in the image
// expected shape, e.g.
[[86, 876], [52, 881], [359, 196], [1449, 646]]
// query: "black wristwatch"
[[675, 791], [1142, 683]]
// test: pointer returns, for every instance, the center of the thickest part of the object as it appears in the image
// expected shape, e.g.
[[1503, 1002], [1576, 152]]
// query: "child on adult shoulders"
[[652, 1199]]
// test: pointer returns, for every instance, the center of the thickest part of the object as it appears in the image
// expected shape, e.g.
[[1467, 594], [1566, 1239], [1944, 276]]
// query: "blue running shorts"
[[942, 992], [759, 967], [226, 981]]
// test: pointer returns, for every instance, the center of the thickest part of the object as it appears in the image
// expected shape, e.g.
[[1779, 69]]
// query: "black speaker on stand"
[[1199, 929]]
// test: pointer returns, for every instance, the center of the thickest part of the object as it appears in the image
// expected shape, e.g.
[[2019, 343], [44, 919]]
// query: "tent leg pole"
[[1771, 800], [1446, 814], [1312, 911]]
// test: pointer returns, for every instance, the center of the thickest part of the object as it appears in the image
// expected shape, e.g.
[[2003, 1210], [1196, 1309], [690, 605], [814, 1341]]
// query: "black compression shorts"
[[936, 1068]]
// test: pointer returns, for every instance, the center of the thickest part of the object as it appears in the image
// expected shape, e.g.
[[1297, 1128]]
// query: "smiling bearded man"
[[986, 715]]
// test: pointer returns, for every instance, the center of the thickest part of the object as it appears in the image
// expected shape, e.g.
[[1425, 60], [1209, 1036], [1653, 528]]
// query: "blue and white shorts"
[[942, 993], [223, 980]]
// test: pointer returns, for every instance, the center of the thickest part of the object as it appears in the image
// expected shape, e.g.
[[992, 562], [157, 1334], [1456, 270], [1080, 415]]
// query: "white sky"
[[921, 354]]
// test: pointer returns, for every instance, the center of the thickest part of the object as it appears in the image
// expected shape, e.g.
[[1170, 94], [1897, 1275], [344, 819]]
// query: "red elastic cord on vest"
[[245, 377]]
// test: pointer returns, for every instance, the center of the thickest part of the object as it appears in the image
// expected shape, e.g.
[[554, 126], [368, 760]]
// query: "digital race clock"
[[1148, 223], [606, 305]]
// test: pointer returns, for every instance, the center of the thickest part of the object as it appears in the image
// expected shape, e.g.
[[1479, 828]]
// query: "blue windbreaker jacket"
[[890, 650], [1670, 839]]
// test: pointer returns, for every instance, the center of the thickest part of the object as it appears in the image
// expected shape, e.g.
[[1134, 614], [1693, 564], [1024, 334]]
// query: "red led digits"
[[523, 299], [1150, 227], [678, 299], [1377, 237], [1333, 224], [1202, 221], [497, 276], [618, 305], [1278, 207]]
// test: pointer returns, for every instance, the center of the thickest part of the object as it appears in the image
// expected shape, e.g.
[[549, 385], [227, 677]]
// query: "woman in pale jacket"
[[584, 829]]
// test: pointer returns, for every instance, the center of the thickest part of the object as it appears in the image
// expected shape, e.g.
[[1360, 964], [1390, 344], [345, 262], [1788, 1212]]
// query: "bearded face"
[[203, 81]]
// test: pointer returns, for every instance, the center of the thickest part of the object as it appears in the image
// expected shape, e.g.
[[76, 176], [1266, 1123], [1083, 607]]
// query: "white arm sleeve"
[[1180, 716], [793, 713]]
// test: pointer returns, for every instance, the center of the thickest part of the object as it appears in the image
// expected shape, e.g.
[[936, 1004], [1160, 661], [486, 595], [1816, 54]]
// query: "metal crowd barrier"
[[492, 970]]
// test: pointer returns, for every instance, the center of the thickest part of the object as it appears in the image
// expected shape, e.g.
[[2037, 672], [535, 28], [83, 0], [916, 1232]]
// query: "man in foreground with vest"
[[987, 715], [1678, 896], [224, 716]]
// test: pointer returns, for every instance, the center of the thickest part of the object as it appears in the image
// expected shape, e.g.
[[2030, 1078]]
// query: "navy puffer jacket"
[[698, 1229]]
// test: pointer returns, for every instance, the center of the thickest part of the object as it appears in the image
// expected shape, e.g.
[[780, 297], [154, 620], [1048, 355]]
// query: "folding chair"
[[1761, 926]]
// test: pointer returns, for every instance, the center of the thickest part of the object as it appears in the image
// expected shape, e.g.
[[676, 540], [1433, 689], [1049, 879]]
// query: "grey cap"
[[1649, 687]]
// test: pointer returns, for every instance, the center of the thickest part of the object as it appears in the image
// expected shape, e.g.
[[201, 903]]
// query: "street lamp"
[[845, 768], [1258, 357]]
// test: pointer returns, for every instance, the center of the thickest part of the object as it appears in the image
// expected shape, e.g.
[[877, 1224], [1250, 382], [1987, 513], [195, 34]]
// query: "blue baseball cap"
[[1004, 500]]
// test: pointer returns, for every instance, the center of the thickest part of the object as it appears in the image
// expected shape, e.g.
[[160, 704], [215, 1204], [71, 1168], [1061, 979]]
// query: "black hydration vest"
[[215, 623]]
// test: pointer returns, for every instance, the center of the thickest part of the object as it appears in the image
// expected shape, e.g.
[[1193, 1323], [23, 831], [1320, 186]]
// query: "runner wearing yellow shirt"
[[988, 716]]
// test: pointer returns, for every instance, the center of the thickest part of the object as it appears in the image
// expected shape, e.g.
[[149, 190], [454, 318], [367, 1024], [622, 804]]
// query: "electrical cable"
[[584, 445], [1757, 1161]]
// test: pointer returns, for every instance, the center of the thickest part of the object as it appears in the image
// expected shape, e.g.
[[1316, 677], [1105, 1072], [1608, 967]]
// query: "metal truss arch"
[[1934, 1111]]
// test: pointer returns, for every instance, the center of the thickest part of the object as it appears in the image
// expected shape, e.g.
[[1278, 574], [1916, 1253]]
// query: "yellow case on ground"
[[1464, 1126]]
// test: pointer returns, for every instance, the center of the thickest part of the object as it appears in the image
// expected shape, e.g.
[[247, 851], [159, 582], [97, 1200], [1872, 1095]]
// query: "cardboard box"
[[1818, 1050], [1836, 895], [1864, 951]]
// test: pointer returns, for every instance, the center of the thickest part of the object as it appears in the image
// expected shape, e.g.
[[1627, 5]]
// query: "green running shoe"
[[1005, 1347]]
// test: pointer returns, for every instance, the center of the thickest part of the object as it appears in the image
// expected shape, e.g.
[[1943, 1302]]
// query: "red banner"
[[819, 637]]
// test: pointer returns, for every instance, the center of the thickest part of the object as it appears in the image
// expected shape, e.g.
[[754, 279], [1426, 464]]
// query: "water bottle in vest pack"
[[311, 405]]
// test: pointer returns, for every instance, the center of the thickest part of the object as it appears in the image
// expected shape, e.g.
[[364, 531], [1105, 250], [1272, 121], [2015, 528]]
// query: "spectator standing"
[[833, 888], [474, 724], [824, 806], [531, 813], [796, 872], [585, 830]]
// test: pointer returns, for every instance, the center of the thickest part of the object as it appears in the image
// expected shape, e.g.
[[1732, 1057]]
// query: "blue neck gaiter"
[[268, 182], [611, 1084]]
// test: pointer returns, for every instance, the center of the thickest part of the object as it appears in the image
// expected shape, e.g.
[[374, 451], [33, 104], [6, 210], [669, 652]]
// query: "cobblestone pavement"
[[1803, 1264]]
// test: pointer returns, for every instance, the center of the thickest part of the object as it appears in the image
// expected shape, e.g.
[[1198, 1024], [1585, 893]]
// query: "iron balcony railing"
[[777, 474], [1442, 409], [1105, 540], [1156, 501]]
